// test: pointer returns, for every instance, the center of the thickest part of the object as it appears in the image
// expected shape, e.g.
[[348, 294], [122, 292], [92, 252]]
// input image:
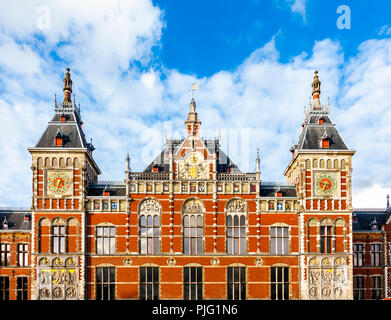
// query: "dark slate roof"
[[313, 132], [271, 189], [365, 218], [71, 133], [96, 190], [70, 130], [15, 218]]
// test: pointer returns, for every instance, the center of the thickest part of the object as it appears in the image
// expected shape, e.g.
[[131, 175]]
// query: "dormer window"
[[27, 217], [58, 139], [374, 224], [5, 224], [106, 192], [155, 169], [326, 143]]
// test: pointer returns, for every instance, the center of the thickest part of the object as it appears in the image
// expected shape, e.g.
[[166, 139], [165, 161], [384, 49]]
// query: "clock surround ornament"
[[325, 184], [58, 182]]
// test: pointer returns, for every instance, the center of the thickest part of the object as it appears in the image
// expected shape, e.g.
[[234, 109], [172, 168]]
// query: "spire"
[[127, 159], [316, 91], [67, 87], [388, 201], [258, 166], [192, 123], [258, 161]]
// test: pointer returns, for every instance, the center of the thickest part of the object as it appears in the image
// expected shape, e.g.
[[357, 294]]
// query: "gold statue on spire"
[[316, 84], [67, 87]]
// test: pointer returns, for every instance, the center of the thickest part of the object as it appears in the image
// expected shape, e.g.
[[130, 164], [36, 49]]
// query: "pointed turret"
[[316, 91], [67, 88]]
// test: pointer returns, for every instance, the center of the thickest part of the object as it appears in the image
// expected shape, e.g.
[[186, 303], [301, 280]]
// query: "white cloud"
[[374, 196], [298, 6], [384, 30]]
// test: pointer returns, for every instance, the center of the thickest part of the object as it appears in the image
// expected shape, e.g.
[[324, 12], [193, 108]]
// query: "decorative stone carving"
[[171, 262], [150, 207], [237, 205], [214, 261], [193, 206], [58, 279], [127, 261], [57, 292], [327, 278], [258, 261]]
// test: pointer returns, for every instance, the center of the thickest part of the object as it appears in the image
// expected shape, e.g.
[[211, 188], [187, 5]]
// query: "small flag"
[[194, 86]]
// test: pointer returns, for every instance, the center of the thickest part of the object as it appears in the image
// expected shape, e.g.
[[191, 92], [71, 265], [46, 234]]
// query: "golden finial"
[[316, 84]]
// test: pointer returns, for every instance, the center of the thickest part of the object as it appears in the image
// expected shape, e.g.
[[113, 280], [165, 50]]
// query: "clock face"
[[193, 168], [58, 182], [325, 184]]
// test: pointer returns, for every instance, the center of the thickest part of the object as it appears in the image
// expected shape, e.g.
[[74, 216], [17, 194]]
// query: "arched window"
[[193, 227], [236, 227], [312, 232], [149, 227], [326, 236], [58, 236]]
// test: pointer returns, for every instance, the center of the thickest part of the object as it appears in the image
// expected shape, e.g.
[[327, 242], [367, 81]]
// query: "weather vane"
[[194, 87]]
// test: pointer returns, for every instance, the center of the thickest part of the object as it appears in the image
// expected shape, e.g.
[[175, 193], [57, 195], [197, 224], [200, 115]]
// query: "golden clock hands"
[[59, 183], [324, 185]]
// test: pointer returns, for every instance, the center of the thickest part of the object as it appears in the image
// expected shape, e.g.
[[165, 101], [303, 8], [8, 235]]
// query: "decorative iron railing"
[[149, 176], [236, 176]]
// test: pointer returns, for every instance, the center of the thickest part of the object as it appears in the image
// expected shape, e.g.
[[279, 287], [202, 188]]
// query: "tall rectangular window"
[[58, 239], [358, 255], [192, 234], [149, 283], [279, 240], [359, 287], [149, 234], [376, 287], [105, 240], [105, 283], [236, 234], [23, 255], [375, 254], [5, 254], [4, 288], [325, 239], [192, 283], [22, 288], [279, 283], [236, 283]]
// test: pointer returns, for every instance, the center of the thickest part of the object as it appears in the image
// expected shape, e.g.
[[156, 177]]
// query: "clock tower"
[[321, 168], [62, 167]]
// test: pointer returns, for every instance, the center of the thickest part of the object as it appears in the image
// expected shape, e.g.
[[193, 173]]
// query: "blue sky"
[[204, 37], [133, 63]]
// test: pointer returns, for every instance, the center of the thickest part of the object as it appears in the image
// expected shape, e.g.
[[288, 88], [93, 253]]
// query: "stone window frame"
[[197, 282], [154, 212], [111, 238], [5, 253], [241, 213]]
